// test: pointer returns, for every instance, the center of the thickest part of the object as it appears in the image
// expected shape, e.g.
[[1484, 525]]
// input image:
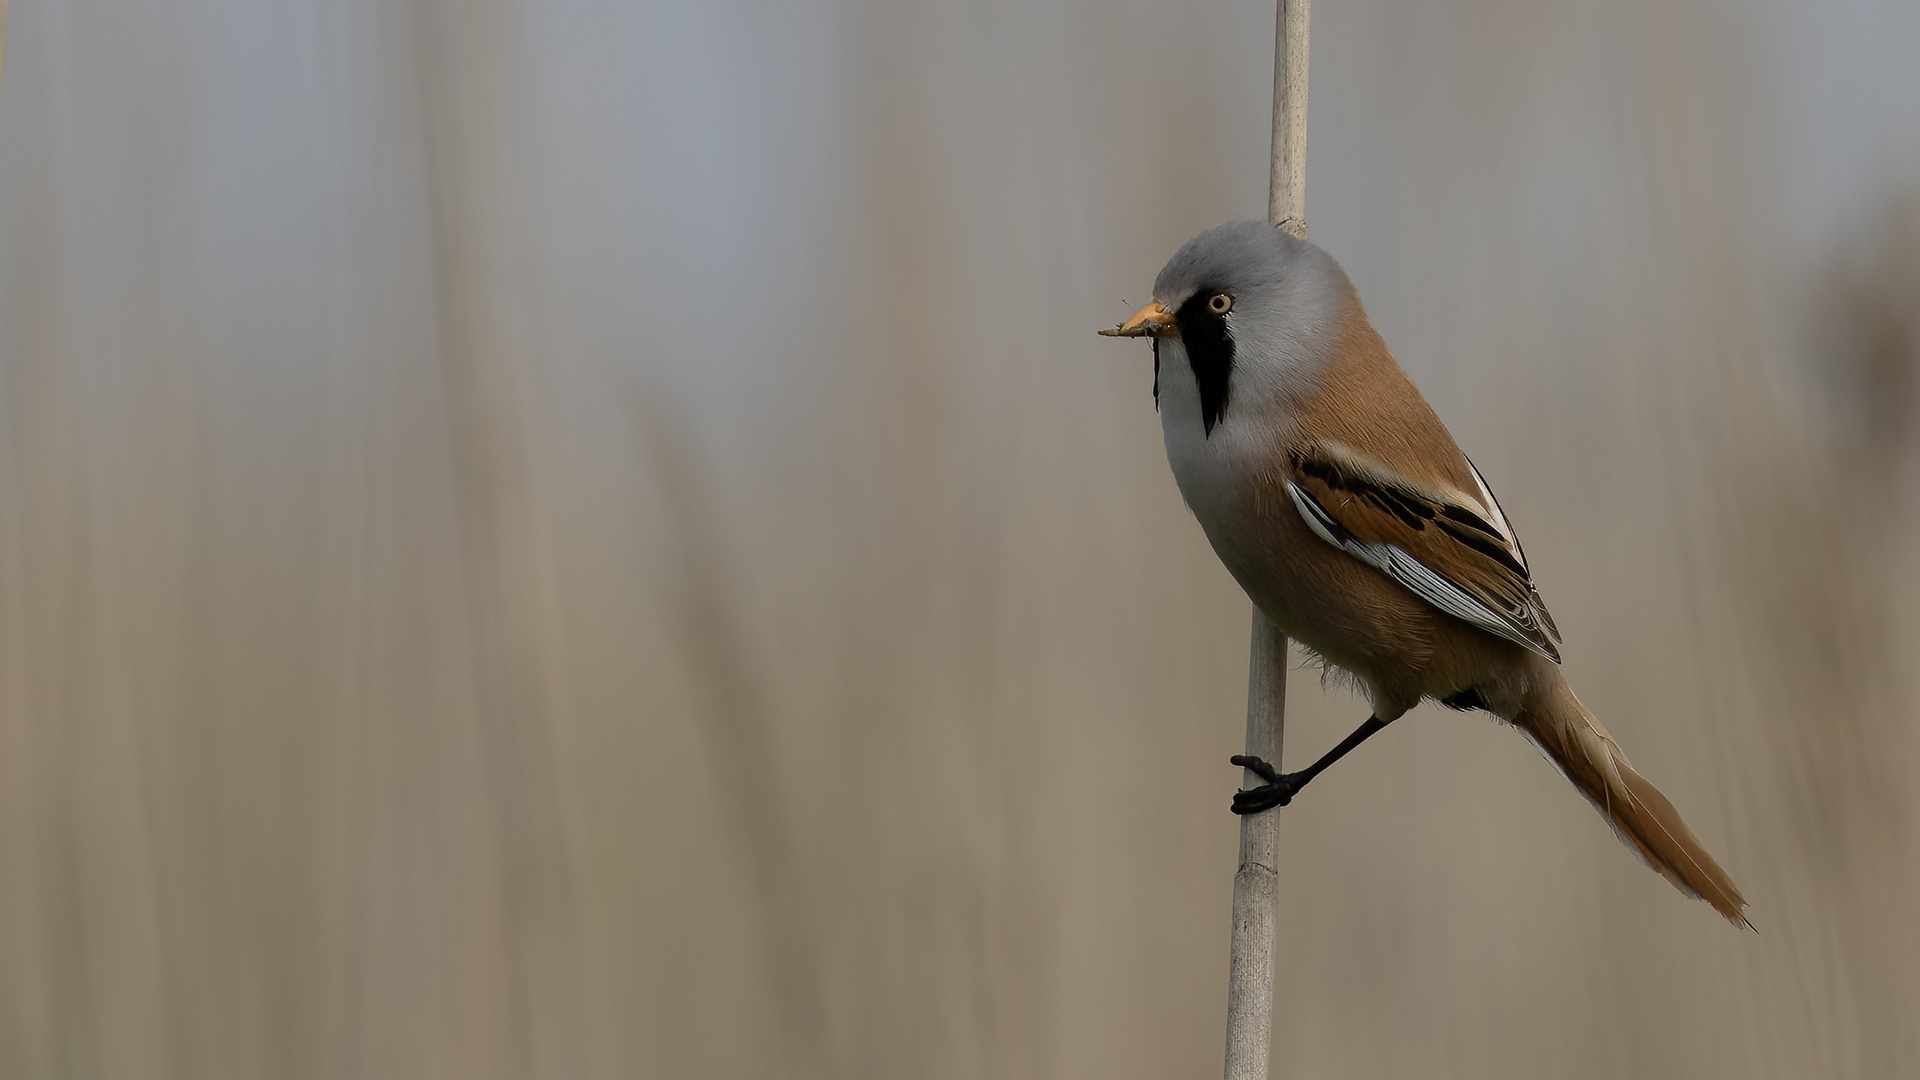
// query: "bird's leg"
[[1279, 788]]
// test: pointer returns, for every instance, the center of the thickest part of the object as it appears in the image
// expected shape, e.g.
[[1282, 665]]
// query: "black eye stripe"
[[1208, 338], [1156, 372]]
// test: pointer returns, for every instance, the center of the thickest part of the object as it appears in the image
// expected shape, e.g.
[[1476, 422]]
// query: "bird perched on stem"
[[1342, 506]]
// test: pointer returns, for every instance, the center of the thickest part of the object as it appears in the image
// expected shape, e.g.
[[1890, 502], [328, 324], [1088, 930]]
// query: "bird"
[[1343, 507]]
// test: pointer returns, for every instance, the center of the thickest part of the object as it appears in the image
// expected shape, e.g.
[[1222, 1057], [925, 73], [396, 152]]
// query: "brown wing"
[[1459, 557]]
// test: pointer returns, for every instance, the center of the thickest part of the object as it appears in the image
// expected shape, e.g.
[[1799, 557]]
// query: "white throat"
[[1214, 469]]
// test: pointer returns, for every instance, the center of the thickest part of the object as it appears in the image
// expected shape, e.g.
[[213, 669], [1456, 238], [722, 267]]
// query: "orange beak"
[[1153, 320]]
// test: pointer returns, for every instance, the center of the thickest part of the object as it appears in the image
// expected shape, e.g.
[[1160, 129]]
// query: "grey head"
[[1256, 311]]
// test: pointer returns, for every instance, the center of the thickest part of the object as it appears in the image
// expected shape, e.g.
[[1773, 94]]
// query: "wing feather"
[[1461, 558]]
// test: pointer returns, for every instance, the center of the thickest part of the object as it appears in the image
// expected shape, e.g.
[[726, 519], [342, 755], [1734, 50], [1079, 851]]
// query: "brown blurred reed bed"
[[604, 545]]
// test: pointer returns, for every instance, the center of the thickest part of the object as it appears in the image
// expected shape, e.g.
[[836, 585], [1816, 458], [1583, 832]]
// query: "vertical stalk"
[[1256, 883], [1287, 184]]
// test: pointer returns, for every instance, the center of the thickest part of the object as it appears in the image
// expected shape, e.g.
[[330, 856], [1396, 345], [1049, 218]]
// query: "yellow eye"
[[1220, 303]]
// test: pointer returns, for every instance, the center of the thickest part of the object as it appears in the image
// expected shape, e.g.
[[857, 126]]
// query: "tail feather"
[[1643, 817]]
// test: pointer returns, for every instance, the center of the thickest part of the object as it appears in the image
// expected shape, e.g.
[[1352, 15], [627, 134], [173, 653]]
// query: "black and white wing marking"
[[1461, 558]]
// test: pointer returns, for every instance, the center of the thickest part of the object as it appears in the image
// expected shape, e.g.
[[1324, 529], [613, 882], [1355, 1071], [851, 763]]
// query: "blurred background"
[[586, 539]]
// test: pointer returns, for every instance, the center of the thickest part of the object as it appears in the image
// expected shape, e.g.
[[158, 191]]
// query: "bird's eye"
[[1220, 303]]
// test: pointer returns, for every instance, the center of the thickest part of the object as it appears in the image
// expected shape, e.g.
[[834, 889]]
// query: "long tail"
[[1642, 816]]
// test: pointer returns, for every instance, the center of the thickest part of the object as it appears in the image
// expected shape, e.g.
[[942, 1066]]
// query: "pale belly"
[[1347, 612]]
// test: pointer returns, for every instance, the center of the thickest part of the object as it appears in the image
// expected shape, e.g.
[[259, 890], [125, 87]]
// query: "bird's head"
[[1254, 311]]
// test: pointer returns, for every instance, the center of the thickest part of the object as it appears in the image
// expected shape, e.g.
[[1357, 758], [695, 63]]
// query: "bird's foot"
[[1278, 790]]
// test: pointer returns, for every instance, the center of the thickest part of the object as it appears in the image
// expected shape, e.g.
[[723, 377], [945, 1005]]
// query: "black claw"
[[1259, 799], [1258, 766], [1277, 791]]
